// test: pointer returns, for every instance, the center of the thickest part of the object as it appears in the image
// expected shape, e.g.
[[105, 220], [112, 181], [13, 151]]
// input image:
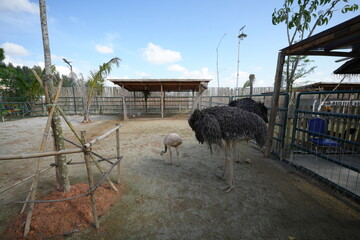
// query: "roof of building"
[[350, 67], [329, 86], [342, 40], [155, 85]]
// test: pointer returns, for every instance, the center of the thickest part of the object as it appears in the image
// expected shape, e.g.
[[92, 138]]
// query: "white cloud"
[[103, 49], [176, 68], [63, 70], [12, 49], [156, 54], [108, 83], [19, 6], [202, 73], [57, 58], [142, 75]]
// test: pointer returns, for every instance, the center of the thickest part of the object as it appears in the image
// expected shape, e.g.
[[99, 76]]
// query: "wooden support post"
[[162, 101], [77, 136], [124, 104], [134, 101], [39, 162], [90, 178], [118, 151], [274, 103]]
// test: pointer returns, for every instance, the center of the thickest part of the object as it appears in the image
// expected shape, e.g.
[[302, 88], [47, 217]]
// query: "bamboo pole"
[[118, 151], [25, 179], [39, 154], [77, 136], [37, 78], [39, 162], [124, 103], [94, 187], [95, 140], [90, 179]]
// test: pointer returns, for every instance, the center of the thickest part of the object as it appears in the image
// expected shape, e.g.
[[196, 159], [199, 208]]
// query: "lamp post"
[[72, 84], [241, 36]]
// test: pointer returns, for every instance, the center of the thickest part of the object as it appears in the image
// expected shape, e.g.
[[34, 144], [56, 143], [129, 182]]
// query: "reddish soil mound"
[[60, 219]]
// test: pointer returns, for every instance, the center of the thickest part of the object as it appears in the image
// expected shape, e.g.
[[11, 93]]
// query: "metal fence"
[[323, 131], [326, 139]]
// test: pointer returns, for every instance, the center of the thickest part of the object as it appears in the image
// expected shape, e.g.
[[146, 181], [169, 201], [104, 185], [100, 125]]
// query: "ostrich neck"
[[197, 100]]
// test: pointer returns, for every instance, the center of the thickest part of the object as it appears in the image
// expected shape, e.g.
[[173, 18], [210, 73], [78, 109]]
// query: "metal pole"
[[241, 36], [237, 71]]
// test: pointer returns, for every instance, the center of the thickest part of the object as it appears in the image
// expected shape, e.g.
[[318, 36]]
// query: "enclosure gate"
[[326, 139]]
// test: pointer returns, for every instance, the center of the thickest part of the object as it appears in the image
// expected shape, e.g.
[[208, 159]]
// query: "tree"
[[18, 82], [62, 171], [301, 19], [2, 55], [303, 68], [96, 81]]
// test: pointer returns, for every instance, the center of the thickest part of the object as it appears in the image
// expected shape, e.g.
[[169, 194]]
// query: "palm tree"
[[62, 172], [96, 81]]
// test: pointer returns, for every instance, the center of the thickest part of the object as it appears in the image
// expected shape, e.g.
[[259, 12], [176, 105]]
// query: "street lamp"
[[241, 36], [72, 79]]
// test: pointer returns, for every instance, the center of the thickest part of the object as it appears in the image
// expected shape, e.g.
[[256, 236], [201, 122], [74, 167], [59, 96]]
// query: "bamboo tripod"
[[85, 148]]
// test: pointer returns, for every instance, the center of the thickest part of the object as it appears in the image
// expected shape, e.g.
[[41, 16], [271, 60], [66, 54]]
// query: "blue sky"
[[156, 39]]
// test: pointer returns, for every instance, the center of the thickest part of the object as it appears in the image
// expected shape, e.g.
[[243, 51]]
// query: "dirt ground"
[[163, 201]]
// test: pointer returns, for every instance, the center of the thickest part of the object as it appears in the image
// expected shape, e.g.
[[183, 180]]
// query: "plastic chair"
[[318, 126]]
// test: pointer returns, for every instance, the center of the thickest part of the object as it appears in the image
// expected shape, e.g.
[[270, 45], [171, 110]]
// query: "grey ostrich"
[[249, 105], [172, 140], [225, 126]]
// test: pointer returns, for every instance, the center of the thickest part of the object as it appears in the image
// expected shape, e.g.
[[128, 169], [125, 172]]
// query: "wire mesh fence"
[[326, 140]]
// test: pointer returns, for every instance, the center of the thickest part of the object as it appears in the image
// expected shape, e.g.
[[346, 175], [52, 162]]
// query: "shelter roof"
[[154, 85], [329, 86], [350, 67], [341, 40]]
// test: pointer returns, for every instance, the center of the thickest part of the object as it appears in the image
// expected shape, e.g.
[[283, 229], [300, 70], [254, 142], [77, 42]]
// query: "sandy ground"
[[163, 201]]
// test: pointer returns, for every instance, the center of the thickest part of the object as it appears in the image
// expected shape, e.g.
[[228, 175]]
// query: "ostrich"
[[224, 126], [172, 140], [249, 105]]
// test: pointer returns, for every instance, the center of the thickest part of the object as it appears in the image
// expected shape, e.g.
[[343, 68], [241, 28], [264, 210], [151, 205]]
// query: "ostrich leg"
[[177, 155], [229, 170], [170, 155]]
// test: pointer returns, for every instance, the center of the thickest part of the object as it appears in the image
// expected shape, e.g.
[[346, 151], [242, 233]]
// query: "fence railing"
[[336, 161], [326, 140]]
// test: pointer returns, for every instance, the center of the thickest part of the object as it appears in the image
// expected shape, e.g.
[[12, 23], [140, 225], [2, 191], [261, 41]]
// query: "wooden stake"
[[274, 104], [77, 136], [118, 151], [25, 179], [39, 162], [40, 154], [90, 178], [98, 139]]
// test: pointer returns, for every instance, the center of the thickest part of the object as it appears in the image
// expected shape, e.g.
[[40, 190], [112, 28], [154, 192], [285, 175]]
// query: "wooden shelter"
[[160, 85], [342, 40], [329, 86]]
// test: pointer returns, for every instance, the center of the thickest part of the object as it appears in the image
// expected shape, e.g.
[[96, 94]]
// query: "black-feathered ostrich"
[[225, 126], [249, 105]]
